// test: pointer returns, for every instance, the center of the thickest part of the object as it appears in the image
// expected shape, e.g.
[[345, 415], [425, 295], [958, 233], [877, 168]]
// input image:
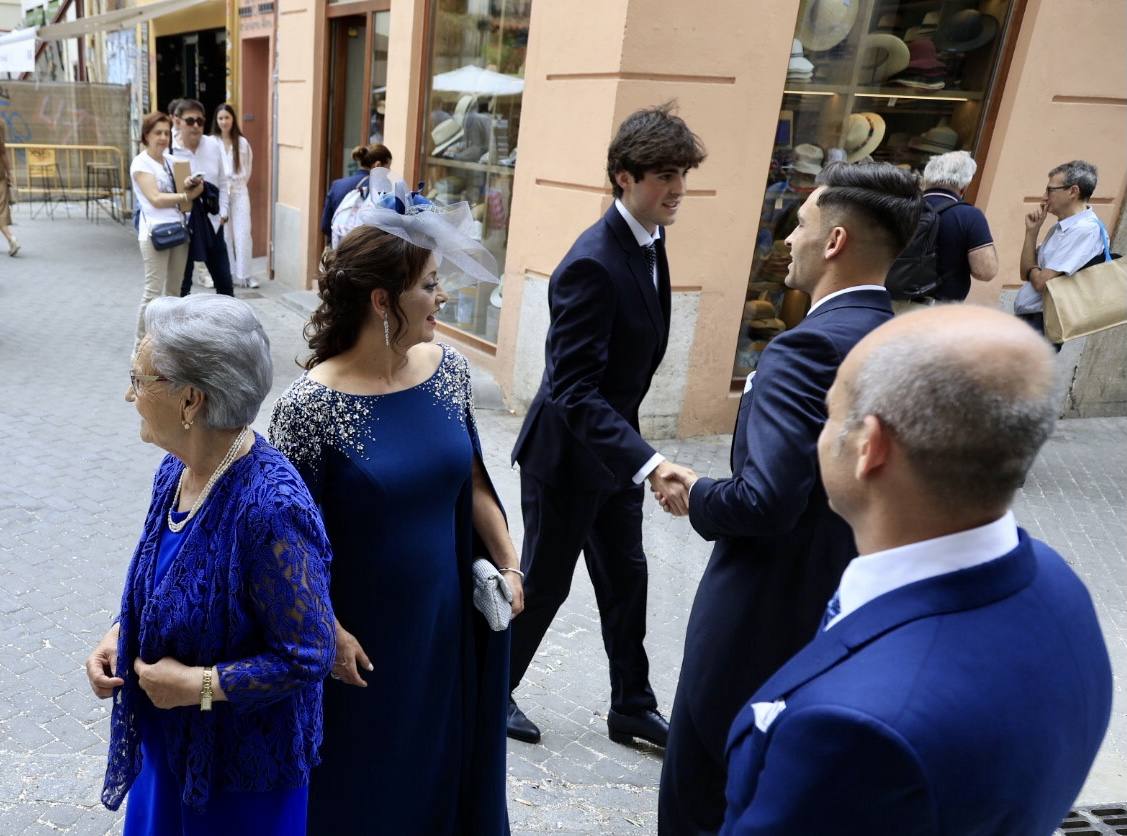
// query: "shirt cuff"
[[648, 468]]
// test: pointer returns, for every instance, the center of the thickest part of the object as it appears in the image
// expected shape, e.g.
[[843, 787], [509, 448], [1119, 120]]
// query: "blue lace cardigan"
[[249, 594]]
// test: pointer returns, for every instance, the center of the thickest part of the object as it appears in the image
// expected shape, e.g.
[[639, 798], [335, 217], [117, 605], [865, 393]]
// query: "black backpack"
[[915, 272]]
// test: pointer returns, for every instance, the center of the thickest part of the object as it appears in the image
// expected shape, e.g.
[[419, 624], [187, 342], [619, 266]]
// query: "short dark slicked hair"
[[881, 196], [188, 105], [650, 140], [1078, 173]]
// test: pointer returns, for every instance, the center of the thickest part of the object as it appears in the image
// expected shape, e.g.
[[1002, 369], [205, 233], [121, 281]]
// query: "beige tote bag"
[[1090, 300]]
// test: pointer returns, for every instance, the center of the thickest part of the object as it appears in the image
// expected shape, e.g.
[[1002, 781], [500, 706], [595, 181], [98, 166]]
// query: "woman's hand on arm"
[[147, 183], [171, 684], [349, 659], [101, 665], [490, 525]]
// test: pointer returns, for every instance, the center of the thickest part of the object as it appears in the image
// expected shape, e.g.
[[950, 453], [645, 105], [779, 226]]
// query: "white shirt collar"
[[643, 238], [830, 296], [1072, 220], [869, 576]]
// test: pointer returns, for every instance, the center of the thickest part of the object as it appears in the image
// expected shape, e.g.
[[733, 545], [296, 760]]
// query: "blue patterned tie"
[[833, 610], [651, 259]]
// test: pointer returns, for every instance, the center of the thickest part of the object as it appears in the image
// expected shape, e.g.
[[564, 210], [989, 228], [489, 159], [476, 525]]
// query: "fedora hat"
[[938, 140], [799, 64], [823, 24], [447, 133], [924, 56], [882, 56], [863, 133], [965, 30], [808, 158], [929, 24]]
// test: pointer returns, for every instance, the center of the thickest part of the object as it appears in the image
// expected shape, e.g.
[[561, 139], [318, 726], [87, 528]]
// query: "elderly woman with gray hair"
[[225, 631]]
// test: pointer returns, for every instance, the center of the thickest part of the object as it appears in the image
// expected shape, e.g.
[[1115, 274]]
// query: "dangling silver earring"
[[386, 333]]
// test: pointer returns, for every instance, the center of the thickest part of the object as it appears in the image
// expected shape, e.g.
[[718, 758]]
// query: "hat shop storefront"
[[893, 82]]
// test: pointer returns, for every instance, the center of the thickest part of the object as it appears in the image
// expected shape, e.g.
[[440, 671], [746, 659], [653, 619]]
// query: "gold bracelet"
[[514, 571], [206, 694]]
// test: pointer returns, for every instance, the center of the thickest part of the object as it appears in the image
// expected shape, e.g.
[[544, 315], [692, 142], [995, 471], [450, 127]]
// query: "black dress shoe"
[[520, 727], [648, 725]]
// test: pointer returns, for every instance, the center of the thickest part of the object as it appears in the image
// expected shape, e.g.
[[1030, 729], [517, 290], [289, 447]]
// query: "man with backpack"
[[952, 244]]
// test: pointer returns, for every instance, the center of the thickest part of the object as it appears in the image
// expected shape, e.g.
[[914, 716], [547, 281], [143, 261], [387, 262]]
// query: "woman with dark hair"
[[381, 426], [5, 194], [159, 203], [367, 157], [237, 160]]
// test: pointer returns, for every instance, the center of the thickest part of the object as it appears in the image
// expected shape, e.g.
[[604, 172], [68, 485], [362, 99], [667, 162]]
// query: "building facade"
[[510, 104]]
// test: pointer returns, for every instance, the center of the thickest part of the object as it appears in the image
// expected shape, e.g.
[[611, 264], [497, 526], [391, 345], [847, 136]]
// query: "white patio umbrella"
[[480, 82]]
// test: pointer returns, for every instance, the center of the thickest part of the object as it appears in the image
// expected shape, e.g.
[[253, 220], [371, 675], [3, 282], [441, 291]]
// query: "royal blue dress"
[[421, 749], [155, 807]]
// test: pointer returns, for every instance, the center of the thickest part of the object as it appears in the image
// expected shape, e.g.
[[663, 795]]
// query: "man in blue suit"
[[582, 457], [779, 550], [960, 684]]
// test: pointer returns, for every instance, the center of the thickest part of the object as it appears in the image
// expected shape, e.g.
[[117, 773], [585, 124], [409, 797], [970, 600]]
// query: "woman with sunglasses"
[[225, 631], [158, 202]]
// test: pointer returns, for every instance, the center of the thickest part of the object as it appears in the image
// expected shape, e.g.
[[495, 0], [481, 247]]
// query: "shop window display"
[[472, 125], [883, 80]]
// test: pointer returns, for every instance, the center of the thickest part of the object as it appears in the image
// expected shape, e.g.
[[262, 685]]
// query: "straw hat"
[[883, 56], [863, 133], [823, 24], [938, 140], [808, 158]]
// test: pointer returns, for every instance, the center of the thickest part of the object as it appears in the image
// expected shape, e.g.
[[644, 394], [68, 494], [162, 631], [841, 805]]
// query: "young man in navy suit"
[[960, 683], [582, 457], [780, 550]]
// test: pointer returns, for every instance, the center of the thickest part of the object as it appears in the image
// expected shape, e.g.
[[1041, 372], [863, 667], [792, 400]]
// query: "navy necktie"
[[651, 259], [833, 610]]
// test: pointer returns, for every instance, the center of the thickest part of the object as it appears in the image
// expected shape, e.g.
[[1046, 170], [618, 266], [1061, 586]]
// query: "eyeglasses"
[[136, 379], [193, 120], [1056, 188]]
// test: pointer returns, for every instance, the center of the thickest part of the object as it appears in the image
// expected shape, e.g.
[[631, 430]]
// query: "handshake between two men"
[[671, 484]]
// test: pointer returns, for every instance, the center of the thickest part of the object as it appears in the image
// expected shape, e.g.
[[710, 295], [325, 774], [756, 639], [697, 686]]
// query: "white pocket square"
[[766, 712]]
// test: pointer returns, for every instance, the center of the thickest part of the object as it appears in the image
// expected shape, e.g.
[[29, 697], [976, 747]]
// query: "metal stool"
[[102, 183], [42, 165]]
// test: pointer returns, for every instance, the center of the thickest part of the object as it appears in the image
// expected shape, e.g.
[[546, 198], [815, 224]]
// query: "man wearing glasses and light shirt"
[[1075, 241], [205, 156]]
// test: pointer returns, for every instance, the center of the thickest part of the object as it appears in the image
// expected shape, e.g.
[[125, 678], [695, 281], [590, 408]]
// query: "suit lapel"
[[963, 590], [640, 269]]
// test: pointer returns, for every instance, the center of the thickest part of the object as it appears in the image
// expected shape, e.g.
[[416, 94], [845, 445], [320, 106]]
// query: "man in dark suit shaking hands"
[[779, 550], [960, 683], [582, 457]]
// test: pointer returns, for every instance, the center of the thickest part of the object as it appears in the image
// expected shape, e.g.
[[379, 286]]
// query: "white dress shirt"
[[207, 158], [644, 239], [869, 576], [842, 292], [1070, 245]]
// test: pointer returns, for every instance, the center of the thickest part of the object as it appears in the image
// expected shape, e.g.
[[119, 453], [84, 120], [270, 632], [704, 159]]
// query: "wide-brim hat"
[[924, 55], [883, 56], [863, 133], [823, 24], [965, 30], [937, 140]]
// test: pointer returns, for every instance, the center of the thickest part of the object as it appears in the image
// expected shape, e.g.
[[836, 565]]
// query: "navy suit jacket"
[[608, 332], [968, 704], [780, 550], [337, 190]]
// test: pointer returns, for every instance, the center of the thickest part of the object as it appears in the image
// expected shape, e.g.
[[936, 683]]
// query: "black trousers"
[[217, 264], [1036, 321], [560, 522], [691, 799]]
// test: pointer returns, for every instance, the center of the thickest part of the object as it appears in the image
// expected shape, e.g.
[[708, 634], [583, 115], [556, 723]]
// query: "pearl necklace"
[[224, 465]]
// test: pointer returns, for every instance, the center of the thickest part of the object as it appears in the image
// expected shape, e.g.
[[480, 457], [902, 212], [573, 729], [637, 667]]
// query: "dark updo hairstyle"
[[369, 156], [366, 259]]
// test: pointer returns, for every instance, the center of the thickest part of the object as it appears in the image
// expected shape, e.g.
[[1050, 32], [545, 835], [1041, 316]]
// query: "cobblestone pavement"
[[74, 485]]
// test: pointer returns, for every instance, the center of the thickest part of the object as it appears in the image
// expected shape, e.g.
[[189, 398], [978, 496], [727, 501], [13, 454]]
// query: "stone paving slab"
[[74, 485]]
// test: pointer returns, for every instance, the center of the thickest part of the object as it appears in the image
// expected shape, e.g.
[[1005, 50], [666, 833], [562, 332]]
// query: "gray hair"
[[1078, 173], [970, 435], [216, 344], [954, 170]]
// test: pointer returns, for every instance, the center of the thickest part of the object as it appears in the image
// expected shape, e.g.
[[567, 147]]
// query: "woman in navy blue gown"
[[225, 632], [382, 429]]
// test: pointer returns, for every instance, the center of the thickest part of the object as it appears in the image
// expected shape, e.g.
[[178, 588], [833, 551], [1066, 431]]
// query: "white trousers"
[[237, 235], [164, 271]]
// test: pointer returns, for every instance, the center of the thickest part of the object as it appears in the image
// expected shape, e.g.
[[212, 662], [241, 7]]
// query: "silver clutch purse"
[[491, 595]]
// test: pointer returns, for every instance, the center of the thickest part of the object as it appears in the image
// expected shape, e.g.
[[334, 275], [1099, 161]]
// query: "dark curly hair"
[[367, 259], [652, 139]]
